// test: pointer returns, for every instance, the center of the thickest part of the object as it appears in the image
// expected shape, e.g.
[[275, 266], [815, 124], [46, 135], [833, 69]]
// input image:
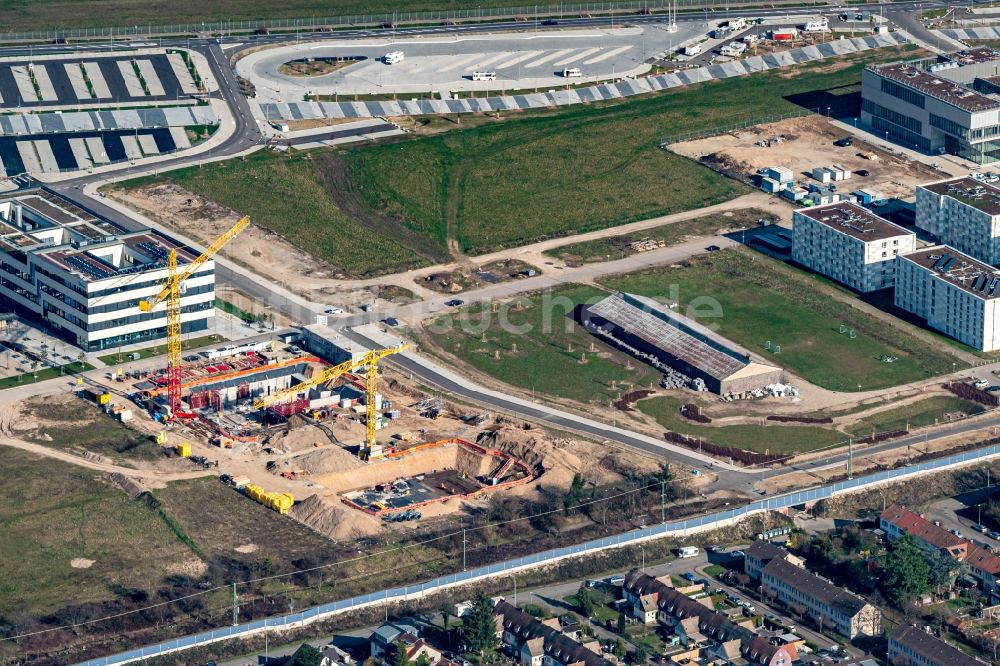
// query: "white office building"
[[849, 244], [963, 213], [953, 292], [84, 277]]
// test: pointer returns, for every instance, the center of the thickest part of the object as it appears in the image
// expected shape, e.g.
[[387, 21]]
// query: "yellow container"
[[161, 437], [104, 399], [184, 449]]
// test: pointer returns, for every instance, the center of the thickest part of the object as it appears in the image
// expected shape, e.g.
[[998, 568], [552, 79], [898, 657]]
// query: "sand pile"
[[334, 520], [325, 460]]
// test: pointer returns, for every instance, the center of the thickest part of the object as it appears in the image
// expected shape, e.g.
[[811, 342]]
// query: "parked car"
[[864, 173], [737, 554], [687, 575], [843, 143], [982, 529], [454, 303], [713, 248], [993, 534], [616, 580], [956, 532], [334, 310]]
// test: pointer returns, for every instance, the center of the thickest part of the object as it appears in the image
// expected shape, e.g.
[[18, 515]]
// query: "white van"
[[484, 76], [571, 72], [687, 551], [393, 57]]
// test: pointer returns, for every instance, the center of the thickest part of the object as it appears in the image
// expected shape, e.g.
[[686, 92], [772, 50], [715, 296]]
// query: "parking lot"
[[104, 80], [49, 153], [522, 61]]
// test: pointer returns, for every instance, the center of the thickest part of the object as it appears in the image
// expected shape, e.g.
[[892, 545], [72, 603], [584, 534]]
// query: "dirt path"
[[6, 428]]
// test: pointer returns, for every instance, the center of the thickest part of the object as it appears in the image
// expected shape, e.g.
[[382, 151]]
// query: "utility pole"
[[236, 608], [663, 498], [850, 458], [463, 550]]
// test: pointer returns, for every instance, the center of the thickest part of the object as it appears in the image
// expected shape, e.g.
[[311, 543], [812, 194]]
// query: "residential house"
[[897, 520], [824, 602], [537, 643], [334, 656], [911, 646], [414, 649], [675, 610], [384, 639], [984, 567], [759, 555]]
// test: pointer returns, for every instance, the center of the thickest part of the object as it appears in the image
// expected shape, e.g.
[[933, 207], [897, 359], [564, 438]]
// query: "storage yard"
[[801, 145]]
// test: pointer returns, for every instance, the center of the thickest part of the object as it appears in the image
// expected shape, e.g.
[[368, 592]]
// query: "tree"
[[306, 655], [667, 479], [904, 571], [586, 600], [401, 659], [423, 659], [574, 495], [445, 614], [619, 649], [943, 570], [479, 630], [621, 623], [641, 654]]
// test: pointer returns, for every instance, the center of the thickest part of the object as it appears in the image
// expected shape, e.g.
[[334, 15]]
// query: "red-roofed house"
[[897, 521]]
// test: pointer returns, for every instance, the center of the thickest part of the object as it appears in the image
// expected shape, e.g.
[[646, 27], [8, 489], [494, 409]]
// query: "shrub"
[[739, 456], [693, 413], [970, 392], [799, 419]]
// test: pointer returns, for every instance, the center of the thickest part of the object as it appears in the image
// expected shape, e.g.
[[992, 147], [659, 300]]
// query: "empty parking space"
[[80, 153], [94, 79], [76, 80], [148, 144], [81, 150], [150, 77], [96, 148]]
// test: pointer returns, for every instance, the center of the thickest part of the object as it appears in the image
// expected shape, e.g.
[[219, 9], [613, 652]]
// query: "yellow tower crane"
[[369, 359], [171, 293]]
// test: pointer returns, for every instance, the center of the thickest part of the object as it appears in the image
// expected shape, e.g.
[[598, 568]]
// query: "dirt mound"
[[325, 460], [298, 439], [332, 520]]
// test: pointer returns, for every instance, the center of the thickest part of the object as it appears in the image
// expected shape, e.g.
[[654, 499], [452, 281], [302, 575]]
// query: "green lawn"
[[54, 513], [543, 362], [160, 349], [762, 300], [582, 168], [44, 373], [772, 439], [615, 247], [294, 196], [921, 413]]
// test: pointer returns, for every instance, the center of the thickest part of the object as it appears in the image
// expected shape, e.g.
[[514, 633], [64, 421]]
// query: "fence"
[[743, 124], [675, 528], [387, 19]]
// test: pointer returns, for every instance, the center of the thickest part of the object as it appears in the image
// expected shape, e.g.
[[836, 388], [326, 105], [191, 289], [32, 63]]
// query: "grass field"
[[56, 512], [44, 373], [543, 362], [23, 15], [615, 247], [71, 422], [583, 168], [764, 300], [915, 415], [772, 439], [292, 196]]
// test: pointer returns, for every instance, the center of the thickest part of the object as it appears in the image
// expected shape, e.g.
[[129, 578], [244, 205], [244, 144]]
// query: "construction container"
[[280, 502], [780, 174], [240, 481], [183, 449], [393, 414], [771, 186], [161, 437]]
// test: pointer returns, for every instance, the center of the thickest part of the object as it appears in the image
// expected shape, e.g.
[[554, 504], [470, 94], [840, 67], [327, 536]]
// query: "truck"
[[687, 551], [691, 49], [819, 25], [392, 57]]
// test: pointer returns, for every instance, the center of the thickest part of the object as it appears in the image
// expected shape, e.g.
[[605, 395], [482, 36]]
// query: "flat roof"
[[142, 252], [971, 56], [934, 86], [853, 220], [971, 192], [959, 269], [666, 331]]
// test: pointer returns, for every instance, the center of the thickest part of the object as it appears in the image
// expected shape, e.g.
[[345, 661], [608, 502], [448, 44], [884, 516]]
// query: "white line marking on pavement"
[[579, 56], [609, 54], [550, 56]]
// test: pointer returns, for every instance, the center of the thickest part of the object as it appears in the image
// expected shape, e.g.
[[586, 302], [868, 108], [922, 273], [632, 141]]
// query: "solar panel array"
[[967, 275], [91, 268]]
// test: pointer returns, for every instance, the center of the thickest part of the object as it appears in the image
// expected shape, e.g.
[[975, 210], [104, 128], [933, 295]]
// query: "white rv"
[[819, 25], [393, 57], [687, 551], [484, 76], [571, 72]]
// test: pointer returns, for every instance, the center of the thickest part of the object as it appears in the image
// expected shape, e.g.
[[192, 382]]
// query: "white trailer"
[[687, 551], [691, 50], [571, 72], [819, 25], [484, 76], [393, 57]]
